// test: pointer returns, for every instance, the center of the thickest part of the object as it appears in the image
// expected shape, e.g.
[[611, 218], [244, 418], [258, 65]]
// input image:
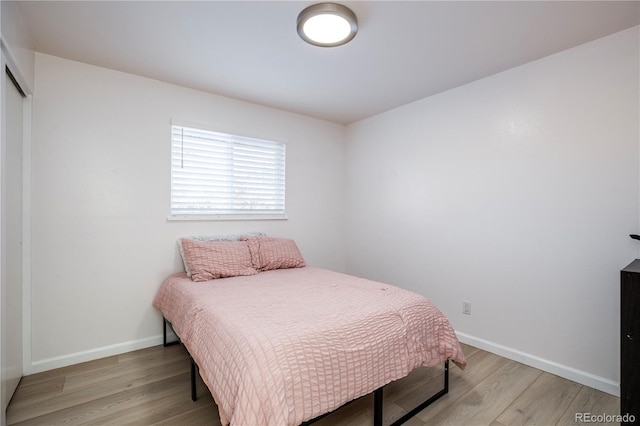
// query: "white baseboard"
[[92, 354], [578, 376]]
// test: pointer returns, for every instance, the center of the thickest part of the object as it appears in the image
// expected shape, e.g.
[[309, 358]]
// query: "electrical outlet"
[[466, 307]]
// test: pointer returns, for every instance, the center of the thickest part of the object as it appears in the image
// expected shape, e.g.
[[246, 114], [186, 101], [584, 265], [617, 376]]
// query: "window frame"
[[234, 140]]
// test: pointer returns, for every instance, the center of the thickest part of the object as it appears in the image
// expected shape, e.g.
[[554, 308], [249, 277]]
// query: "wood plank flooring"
[[151, 387]]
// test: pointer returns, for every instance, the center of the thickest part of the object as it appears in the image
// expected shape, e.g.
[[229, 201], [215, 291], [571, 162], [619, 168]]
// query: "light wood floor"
[[151, 387]]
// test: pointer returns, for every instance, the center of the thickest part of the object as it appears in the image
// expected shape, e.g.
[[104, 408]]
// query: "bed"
[[282, 345]]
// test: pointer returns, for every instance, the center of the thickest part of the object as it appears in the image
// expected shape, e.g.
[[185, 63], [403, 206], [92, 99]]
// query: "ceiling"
[[250, 50]]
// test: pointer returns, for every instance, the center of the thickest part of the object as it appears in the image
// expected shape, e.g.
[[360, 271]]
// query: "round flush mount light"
[[327, 24]]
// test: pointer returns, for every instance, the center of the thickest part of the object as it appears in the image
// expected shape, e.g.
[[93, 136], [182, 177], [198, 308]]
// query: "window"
[[217, 175]]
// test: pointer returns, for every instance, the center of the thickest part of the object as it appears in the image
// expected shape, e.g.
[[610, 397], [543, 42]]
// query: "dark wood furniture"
[[630, 341]]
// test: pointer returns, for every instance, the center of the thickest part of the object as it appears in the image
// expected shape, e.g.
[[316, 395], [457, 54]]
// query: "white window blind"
[[221, 175]]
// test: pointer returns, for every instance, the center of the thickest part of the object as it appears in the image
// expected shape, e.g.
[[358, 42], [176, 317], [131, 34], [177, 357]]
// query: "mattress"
[[285, 346]]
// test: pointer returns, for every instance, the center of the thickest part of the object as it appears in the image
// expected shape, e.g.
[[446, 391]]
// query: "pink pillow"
[[217, 259], [274, 253]]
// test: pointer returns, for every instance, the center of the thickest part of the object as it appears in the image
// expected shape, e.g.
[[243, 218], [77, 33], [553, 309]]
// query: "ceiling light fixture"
[[327, 24]]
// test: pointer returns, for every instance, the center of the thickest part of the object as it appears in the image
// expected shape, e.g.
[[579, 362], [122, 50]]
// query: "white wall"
[[516, 192], [101, 241]]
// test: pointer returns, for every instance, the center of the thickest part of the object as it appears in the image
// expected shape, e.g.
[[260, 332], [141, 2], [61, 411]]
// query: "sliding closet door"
[[11, 236]]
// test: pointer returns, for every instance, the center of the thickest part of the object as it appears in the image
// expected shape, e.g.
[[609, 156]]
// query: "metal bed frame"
[[377, 394]]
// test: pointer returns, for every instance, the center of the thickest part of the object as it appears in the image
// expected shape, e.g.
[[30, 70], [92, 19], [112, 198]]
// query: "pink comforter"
[[285, 346]]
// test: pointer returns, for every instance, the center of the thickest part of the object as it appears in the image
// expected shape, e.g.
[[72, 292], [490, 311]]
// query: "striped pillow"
[[217, 259], [270, 253], [203, 238]]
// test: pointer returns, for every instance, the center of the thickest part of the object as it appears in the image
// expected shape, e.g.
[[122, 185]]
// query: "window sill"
[[202, 217]]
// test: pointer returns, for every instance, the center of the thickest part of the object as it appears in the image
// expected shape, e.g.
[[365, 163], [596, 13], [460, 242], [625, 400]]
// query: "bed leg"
[[446, 377], [429, 401], [194, 396], [164, 332], [377, 407], [166, 323]]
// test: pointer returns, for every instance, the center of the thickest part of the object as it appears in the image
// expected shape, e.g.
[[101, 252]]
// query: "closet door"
[[11, 236]]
